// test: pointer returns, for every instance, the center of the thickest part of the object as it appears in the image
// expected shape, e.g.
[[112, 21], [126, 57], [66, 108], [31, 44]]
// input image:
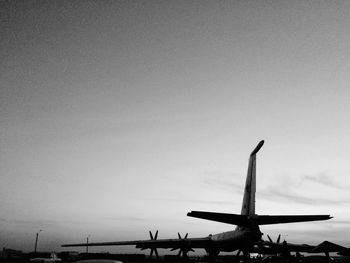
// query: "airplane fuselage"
[[236, 239]]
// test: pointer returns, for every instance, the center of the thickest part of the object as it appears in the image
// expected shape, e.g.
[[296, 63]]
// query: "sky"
[[119, 117]]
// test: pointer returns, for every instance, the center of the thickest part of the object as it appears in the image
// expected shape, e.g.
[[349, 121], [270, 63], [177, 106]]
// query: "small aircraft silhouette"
[[53, 258], [284, 248]]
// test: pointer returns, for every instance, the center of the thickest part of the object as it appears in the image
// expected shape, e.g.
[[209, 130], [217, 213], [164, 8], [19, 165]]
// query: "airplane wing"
[[154, 243], [267, 247], [144, 244]]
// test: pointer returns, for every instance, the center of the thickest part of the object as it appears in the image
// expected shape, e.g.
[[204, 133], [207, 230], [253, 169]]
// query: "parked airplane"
[[284, 248], [246, 234]]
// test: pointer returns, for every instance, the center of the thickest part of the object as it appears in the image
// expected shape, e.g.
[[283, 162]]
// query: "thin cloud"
[[287, 189], [195, 201], [40, 223], [271, 193], [35, 223], [222, 180], [127, 218], [25, 226], [326, 180], [345, 223]]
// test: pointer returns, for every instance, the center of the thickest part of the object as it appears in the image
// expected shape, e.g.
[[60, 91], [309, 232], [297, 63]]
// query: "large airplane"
[[243, 238]]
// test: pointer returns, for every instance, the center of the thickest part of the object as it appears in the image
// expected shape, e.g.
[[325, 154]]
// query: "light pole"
[[36, 240], [87, 244]]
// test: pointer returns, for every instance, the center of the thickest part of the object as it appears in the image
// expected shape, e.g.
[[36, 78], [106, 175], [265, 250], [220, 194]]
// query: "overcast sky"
[[119, 117]]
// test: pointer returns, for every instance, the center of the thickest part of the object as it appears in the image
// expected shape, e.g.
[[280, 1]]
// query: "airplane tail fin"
[[248, 204]]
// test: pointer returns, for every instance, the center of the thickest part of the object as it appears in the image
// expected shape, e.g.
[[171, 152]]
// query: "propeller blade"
[[183, 249], [179, 254], [155, 252], [269, 238], [153, 249]]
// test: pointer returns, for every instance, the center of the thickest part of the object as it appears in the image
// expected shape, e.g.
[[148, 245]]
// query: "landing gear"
[[246, 257], [212, 254]]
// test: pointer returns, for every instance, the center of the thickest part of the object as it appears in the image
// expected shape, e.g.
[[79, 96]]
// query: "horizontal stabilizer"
[[232, 219], [244, 220], [279, 219]]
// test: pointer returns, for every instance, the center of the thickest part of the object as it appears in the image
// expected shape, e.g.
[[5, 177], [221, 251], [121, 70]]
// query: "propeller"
[[153, 249], [285, 250], [184, 248], [278, 239]]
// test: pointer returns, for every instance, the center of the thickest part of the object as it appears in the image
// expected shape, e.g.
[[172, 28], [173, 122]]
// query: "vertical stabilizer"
[[248, 205]]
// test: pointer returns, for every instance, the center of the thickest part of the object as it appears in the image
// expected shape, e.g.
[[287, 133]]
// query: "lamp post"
[[36, 240], [87, 244]]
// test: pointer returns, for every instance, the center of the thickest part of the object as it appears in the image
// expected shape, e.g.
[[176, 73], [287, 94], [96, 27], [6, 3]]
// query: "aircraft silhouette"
[[246, 234], [284, 248]]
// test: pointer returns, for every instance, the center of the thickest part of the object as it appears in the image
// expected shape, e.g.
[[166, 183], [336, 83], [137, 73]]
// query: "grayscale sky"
[[119, 117]]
